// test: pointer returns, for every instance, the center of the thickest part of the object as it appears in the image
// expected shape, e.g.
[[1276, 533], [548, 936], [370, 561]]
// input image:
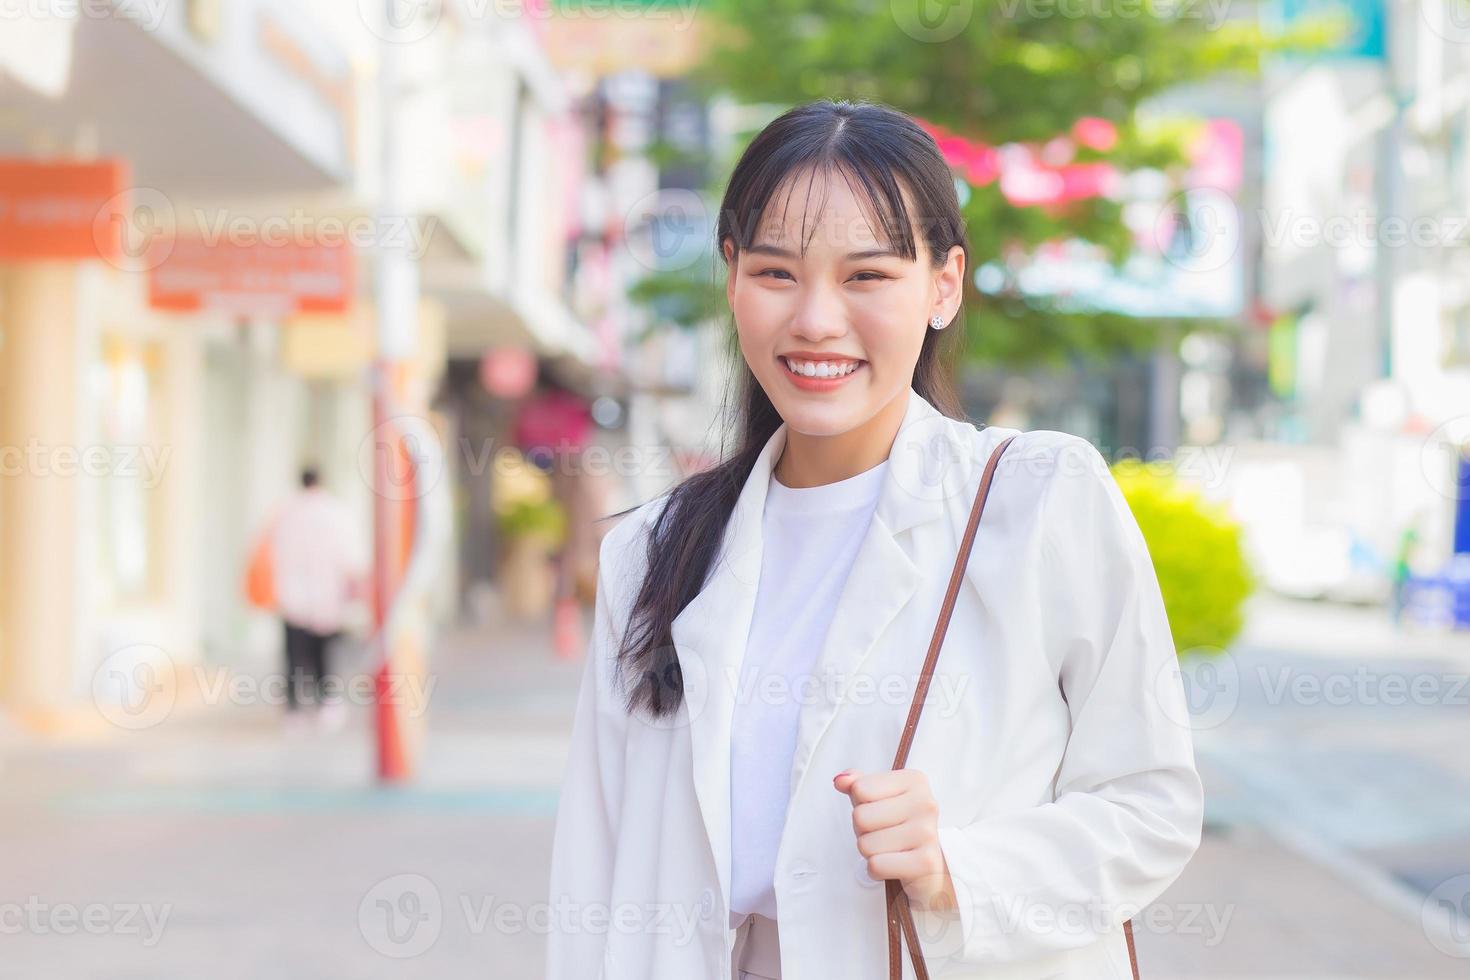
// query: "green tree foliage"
[[1000, 70], [996, 71]]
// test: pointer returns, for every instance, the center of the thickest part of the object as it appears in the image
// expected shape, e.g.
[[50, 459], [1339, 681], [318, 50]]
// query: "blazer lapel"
[[710, 633], [709, 637]]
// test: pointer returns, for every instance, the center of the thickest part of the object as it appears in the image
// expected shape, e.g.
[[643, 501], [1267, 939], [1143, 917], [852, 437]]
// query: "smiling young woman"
[[729, 809]]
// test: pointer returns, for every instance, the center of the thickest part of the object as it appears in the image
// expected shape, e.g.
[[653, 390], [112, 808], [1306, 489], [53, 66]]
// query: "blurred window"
[[129, 500]]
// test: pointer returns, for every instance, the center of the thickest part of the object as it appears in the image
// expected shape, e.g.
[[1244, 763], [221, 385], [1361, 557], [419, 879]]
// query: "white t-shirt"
[[810, 537]]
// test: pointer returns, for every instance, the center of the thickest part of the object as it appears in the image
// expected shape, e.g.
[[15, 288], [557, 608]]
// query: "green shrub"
[[526, 516], [1197, 554]]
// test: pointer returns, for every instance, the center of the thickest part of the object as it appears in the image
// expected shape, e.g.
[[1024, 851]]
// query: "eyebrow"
[[783, 253]]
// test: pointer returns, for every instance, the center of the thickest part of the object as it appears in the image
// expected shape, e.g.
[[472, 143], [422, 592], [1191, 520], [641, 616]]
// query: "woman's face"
[[832, 334]]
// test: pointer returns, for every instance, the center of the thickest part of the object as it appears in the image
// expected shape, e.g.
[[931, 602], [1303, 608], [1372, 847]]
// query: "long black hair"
[[883, 150]]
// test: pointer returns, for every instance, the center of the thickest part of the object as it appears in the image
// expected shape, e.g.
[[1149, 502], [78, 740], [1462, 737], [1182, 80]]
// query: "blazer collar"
[[928, 465]]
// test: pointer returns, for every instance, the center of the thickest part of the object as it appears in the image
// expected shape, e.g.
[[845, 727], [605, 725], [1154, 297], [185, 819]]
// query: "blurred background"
[[450, 261]]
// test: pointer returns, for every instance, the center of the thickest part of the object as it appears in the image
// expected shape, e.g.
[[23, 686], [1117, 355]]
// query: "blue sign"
[[1367, 28]]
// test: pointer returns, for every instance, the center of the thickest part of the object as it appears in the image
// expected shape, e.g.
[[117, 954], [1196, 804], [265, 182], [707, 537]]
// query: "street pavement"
[[216, 844]]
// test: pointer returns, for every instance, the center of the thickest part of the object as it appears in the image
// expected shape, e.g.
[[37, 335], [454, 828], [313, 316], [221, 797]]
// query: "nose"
[[819, 314]]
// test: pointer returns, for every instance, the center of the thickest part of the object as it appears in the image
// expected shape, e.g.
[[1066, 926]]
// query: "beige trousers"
[[757, 949]]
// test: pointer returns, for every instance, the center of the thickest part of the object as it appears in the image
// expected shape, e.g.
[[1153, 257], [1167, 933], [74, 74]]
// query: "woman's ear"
[[732, 261], [949, 283]]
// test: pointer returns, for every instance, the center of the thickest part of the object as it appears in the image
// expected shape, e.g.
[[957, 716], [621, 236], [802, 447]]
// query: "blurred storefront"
[[164, 364], [188, 271], [1363, 297]]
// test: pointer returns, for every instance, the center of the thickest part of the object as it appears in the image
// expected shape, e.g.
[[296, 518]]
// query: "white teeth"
[[822, 369]]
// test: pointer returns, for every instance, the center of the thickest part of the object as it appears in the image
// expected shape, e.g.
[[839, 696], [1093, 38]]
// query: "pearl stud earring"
[[937, 322]]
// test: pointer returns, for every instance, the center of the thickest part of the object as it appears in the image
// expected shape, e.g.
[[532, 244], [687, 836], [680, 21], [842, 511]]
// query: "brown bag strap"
[[900, 915], [956, 576]]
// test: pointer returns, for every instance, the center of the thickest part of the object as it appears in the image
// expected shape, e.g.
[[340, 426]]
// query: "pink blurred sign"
[[508, 372], [554, 421], [1030, 176]]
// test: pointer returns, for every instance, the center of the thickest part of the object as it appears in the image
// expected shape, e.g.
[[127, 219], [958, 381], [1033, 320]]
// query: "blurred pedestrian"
[[1402, 571], [317, 571]]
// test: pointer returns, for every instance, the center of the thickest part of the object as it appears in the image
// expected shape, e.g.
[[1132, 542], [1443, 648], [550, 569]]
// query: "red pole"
[[392, 763], [397, 301]]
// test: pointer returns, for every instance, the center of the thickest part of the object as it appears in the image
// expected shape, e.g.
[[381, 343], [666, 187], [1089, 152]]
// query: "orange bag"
[[260, 582]]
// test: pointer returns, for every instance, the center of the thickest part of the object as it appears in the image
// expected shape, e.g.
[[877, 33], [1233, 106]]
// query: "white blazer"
[[1056, 737]]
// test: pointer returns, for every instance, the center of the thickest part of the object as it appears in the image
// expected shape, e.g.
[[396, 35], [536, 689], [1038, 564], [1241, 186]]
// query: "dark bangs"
[[870, 152]]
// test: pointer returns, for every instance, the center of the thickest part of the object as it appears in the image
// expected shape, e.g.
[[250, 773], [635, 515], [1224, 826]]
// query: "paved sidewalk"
[[1347, 630], [265, 855], [1248, 906], [1346, 740]]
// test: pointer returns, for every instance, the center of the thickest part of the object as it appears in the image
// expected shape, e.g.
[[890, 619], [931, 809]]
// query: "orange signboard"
[[254, 278], [660, 41], [61, 210]]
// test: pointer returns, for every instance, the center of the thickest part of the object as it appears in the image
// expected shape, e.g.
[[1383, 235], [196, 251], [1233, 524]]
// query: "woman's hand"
[[896, 820]]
